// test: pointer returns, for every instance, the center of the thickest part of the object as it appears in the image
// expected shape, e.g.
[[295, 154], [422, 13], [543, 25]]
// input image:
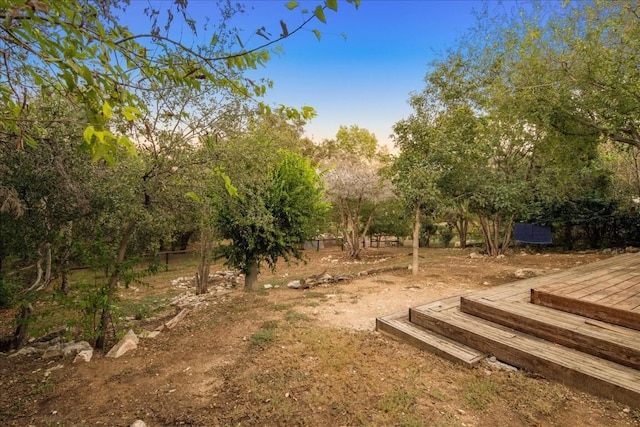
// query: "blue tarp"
[[532, 233]]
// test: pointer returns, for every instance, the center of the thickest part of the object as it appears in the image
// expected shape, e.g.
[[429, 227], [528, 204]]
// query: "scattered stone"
[[138, 423], [53, 352], [220, 280], [268, 286], [632, 250], [53, 335], [43, 345], [496, 365], [149, 334], [500, 256], [474, 255], [525, 273], [84, 355], [74, 348], [53, 368], [128, 342], [26, 351], [295, 284]]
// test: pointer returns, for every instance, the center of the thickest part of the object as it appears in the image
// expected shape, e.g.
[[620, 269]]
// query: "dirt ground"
[[304, 358]]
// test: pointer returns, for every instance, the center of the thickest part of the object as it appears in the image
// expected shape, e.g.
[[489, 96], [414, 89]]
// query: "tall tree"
[[272, 217], [81, 50], [354, 185]]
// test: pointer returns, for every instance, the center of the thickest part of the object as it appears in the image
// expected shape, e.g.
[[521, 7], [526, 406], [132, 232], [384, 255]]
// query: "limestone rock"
[[149, 334], [128, 342], [295, 284], [53, 352], [74, 348], [138, 423], [84, 355], [26, 351]]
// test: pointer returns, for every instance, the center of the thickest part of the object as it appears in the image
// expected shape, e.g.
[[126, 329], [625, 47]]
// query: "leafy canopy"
[[80, 50]]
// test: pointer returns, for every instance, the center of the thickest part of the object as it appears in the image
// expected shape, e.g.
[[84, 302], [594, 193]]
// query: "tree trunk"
[[416, 242], [113, 285], [21, 335], [496, 245], [251, 278], [506, 238], [202, 275]]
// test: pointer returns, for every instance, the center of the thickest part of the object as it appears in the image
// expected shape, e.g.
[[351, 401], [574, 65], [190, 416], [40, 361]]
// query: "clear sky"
[[364, 80]]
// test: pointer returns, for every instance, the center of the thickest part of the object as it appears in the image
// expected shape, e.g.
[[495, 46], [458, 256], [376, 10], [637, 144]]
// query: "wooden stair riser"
[[536, 355], [424, 340], [625, 353]]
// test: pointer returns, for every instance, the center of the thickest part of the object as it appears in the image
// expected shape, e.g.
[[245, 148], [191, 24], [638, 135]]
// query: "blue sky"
[[364, 80]]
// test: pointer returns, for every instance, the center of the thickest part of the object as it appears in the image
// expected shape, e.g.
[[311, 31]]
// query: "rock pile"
[[219, 281], [324, 279]]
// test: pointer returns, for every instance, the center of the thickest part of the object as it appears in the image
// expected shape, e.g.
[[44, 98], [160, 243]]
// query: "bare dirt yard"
[[301, 357]]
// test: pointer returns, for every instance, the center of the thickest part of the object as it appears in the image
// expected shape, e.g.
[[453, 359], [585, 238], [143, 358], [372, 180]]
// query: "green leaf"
[[88, 134], [319, 13], [292, 5], [214, 40], [131, 113], [317, 33], [193, 196], [106, 110], [308, 112], [332, 4], [124, 141]]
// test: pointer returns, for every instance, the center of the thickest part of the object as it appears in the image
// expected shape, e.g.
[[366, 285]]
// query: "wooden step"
[[611, 342], [399, 326], [571, 367], [625, 316]]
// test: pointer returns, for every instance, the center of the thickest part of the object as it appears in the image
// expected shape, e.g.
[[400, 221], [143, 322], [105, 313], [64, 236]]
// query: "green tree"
[[414, 173], [80, 50], [272, 217], [355, 187]]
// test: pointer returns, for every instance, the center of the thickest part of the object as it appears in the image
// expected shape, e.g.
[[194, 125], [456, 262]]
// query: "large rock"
[[74, 348], [128, 342], [295, 284], [84, 355], [26, 351]]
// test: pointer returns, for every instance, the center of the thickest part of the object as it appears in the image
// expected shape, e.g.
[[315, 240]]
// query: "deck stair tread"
[[583, 346], [399, 326], [553, 361], [611, 342]]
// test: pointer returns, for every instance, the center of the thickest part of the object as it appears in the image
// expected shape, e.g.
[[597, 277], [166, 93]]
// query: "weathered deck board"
[[611, 342], [595, 356], [571, 367], [398, 325], [604, 295], [514, 291], [613, 296]]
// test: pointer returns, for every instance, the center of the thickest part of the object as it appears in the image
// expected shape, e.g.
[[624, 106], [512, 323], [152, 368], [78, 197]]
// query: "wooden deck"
[[583, 329], [611, 294]]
